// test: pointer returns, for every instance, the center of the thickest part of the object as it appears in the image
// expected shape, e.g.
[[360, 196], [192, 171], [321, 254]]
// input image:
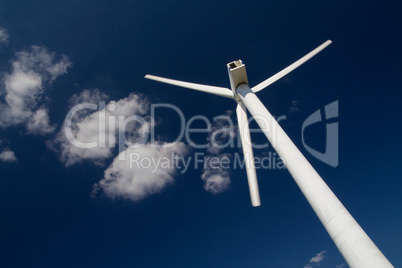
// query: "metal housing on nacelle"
[[237, 76]]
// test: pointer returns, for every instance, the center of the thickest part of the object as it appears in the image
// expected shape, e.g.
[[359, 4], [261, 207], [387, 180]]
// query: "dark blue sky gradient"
[[50, 220]]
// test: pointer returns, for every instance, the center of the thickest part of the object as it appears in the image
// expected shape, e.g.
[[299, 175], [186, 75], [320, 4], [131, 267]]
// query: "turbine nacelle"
[[237, 76]]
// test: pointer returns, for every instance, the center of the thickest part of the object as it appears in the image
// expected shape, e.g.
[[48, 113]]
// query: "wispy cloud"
[[6, 155], [89, 125], [24, 87], [87, 96], [316, 260], [135, 172], [215, 176], [222, 131], [39, 122], [3, 36], [144, 171]]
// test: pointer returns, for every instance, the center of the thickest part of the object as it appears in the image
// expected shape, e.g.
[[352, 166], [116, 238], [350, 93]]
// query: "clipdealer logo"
[[331, 154], [112, 128]]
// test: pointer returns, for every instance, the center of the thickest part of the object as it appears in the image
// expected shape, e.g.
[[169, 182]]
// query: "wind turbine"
[[354, 244]]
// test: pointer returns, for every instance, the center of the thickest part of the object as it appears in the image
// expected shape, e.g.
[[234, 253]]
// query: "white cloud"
[[22, 93], [39, 122], [42, 62], [87, 96], [145, 171], [216, 175], [223, 131], [8, 156], [341, 265], [155, 166], [316, 260], [3, 36], [24, 89], [100, 127]]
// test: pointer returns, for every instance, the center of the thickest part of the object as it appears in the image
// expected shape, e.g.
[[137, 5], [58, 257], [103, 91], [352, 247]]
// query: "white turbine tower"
[[354, 244]]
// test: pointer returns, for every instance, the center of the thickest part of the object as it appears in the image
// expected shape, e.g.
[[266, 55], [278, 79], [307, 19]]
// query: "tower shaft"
[[354, 244]]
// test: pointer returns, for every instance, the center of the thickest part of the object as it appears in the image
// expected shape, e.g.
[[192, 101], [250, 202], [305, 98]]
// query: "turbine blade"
[[290, 68], [244, 130], [220, 91]]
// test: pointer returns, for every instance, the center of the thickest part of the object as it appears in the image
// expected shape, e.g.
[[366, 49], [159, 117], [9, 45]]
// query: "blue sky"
[[68, 207]]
